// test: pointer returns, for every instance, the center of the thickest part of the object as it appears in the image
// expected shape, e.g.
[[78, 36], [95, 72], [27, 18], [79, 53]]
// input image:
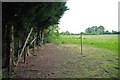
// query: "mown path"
[[65, 61]]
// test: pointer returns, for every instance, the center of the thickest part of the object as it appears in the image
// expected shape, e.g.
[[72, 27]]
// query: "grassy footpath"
[[109, 42], [94, 63]]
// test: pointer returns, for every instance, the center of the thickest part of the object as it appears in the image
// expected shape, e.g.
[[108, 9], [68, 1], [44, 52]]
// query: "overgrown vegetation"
[[51, 34]]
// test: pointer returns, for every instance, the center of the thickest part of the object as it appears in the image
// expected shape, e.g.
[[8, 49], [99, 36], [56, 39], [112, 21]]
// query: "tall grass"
[[109, 42]]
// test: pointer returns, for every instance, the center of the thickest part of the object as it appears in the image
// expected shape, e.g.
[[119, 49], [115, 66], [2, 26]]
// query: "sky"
[[87, 13]]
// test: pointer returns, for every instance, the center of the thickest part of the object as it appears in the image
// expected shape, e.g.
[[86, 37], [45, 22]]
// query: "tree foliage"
[[95, 30], [65, 33], [51, 33], [26, 15]]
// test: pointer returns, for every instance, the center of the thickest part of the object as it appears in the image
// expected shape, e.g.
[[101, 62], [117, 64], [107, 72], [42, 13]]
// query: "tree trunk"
[[5, 46], [42, 38], [8, 52], [11, 54], [12, 45], [34, 45], [37, 41]]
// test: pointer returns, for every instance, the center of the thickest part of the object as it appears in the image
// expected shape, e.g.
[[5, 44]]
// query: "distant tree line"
[[68, 33], [65, 33], [113, 32], [100, 30], [94, 30]]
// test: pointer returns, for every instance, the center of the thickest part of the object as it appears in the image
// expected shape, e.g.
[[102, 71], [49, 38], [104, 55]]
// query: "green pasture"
[[109, 42]]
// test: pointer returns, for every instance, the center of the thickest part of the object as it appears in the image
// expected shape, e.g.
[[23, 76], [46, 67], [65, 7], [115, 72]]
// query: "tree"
[[51, 33], [107, 32], [115, 32], [88, 30], [95, 30], [100, 30], [67, 33], [24, 16]]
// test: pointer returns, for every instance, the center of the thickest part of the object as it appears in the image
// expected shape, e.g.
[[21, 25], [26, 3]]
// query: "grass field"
[[101, 49], [109, 42]]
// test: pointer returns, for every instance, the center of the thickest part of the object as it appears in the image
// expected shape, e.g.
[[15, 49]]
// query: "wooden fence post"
[[24, 46], [33, 42], [28, 52], [19, 47], [24, 54], [34, 45], [11, 52], [81, 42]]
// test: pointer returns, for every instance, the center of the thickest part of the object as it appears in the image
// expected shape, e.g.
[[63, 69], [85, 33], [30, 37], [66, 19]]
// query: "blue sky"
[[87, 13]]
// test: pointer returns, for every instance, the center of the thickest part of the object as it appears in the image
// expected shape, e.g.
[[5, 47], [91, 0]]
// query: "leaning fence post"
[[24, 46]]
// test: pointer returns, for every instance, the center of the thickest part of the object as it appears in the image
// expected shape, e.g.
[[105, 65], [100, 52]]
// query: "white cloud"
[[87, 13]]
